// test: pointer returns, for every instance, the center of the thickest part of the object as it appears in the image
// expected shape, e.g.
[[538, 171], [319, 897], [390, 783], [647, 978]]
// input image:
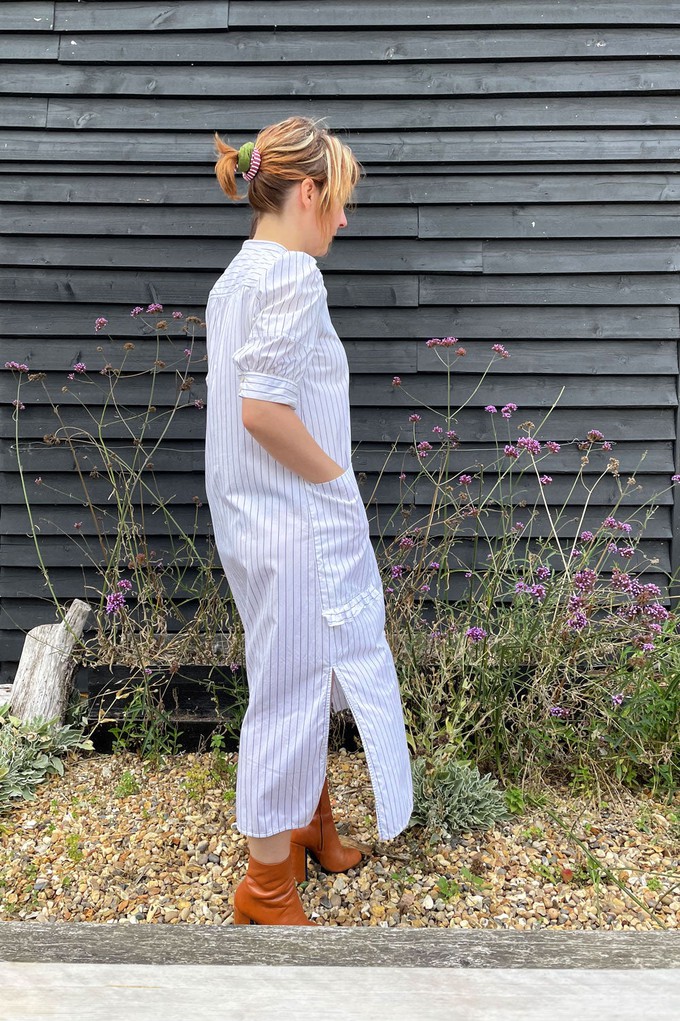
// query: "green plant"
[[73, 849], [128, 784], [147, 726], [523, 630], [31, 751], [450, 796], [158, 601]]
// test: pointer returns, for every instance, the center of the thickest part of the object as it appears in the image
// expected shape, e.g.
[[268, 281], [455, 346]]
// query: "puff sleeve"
[[286, 318]]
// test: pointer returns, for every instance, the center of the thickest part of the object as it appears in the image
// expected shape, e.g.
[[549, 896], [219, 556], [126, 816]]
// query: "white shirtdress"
[[297, 555]]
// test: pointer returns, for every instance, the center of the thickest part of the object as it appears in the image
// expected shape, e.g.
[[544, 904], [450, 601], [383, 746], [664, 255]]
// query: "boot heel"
[[298, 855], [240, 918]]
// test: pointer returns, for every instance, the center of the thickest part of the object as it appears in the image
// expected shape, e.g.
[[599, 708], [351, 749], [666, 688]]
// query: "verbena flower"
[[19, 405], [441, 342], [396, 381], [136, 310], [586, 536], [499, 349], [100, 323], [585, 580], [507, 410], [407, 542], [476, 634], [594, 435], [492, 409], [510, 451], [17, 366], [617, 699], [464, 480], [557, 710], [437, 429], [675, 478], [125, 585], [415, 417], [553, 447], [397, 570], [154, 307], [177, 315], [115, 601], [578, 622], [529, 443], [543, 572], [80, 367], [545, 480]]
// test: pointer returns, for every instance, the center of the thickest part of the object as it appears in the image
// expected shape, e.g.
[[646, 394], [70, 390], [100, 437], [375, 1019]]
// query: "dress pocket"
[[348, 574]]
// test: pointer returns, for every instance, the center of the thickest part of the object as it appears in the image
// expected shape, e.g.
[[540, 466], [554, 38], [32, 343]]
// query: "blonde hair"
[[292, 150]]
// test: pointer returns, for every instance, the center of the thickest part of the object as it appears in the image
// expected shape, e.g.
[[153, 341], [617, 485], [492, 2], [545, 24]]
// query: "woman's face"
[[336, 221]]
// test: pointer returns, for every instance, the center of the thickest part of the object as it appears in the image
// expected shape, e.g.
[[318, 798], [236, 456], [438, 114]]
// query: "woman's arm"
[[282, 434]]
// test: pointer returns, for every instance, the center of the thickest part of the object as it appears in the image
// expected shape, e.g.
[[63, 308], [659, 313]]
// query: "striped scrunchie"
[[249, 160]]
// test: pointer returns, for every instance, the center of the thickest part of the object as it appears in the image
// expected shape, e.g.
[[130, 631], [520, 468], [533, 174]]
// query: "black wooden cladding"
[[522, 186]]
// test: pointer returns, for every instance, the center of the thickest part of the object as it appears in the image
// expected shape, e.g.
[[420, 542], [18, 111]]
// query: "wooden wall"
[[522, 186]]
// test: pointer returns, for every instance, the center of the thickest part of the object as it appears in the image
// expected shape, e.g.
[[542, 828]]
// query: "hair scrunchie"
[[249, 160]]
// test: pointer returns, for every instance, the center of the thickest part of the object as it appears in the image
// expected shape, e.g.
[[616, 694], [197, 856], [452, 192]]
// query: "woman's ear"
[[307, 192]]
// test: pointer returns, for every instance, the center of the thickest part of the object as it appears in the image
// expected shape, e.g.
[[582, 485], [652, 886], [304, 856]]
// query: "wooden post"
[[44, 677]]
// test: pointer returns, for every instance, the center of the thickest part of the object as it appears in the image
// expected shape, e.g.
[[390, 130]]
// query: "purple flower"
[[507, 410], [423, 448], [609, 522], [518, 526], [177, 315], [397, 570], [199, 404], [475, 634], [617, 699], [510, 451], [576, 553], [17, 366], [626, 551], [125, 585], [648, 646], [38, 481], [577, 622], [545, 480], [529, 443], [543, 572], [499, 349], [437, 429], [433, 566], [415, 417], [520, 586], [396, 381], [552, 446], [19, 405], [154, 307], [424, 588], [80, 367], [187, 352], [77, 525], [136, 310], [620, 581], [468, 574], [407, 542], [606, 445], [538, 592], [115, 601], [675, 478], [594, 435], [557, 710], [402, 476], [99, 323], [492, 409], [464, 480], [657, 612], [575, 603], [586, 536], [441, 342], [585, 580]]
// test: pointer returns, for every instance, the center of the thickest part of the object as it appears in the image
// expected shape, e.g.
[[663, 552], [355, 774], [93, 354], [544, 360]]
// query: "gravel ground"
[[119, 840]]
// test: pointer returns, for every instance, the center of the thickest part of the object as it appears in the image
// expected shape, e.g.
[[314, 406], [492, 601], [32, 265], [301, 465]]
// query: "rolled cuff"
[[268, 388]]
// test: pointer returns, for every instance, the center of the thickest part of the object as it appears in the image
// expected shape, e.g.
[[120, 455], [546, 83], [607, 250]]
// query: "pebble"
[[79, 852]]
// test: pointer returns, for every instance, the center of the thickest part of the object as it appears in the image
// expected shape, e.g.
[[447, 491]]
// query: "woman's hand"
[[278, 429]]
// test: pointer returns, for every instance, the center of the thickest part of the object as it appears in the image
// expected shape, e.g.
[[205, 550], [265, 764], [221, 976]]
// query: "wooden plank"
[[358, 254], [363, 355], [378, 424], [389, 522], [635, 219], [160, 188], [179, 489], [78, 285], [224, 220], [27, 17], [444, 14], [536, 390], [29, 46], [409, 114], [401, 173], [403, 147], [48, 319], [22, 111], [38, 459], [549, 289], [507, 255], [112, 16], [588, 255], [390, 44], [579, 357], [437, 78]]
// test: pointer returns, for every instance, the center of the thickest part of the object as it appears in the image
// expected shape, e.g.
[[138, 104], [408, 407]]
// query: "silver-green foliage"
[[29, 751], [450, 796]]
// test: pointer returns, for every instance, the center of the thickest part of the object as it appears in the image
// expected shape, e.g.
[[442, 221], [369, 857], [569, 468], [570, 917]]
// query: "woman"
[[290, 525]]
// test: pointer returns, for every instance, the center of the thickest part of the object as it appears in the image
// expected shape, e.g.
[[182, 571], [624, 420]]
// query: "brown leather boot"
[[267, 895], [320, 839]]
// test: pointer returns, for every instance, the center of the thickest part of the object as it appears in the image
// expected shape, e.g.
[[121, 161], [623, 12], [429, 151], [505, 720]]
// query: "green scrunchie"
[[244, 156]]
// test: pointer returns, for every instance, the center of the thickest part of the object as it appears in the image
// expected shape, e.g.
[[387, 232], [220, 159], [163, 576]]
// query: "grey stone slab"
[[46, 992]]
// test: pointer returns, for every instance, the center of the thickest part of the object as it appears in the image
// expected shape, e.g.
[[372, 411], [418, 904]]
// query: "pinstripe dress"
[[297, 555]]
